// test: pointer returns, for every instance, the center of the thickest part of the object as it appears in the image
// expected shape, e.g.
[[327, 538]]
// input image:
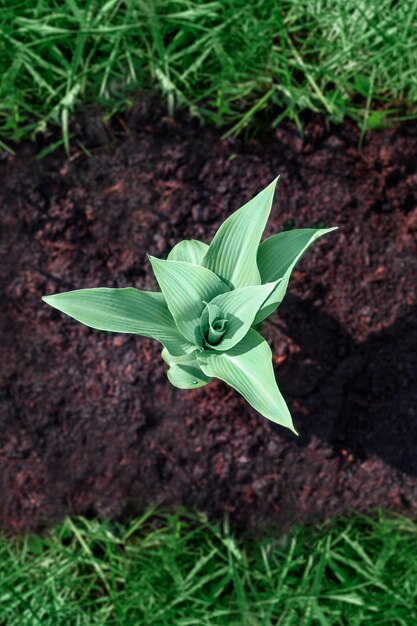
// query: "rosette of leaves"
[[212, 298]]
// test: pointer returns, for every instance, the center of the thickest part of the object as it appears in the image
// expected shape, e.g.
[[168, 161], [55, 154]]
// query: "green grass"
[[231, 62], [181, 570]]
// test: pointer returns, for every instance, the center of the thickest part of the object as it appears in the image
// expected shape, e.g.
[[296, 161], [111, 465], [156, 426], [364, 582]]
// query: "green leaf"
[[248, 368], [240, 307], [186, 288], [185, 372], [189, 250], [125, 310], [277, 257], [279, 253], [232, 253], [212, 323]]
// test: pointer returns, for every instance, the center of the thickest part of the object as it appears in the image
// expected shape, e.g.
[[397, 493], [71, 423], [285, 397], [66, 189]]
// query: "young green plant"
[[212, 297]]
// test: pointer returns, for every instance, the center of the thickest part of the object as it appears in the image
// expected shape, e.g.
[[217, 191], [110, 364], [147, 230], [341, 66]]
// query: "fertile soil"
[[88, 421]]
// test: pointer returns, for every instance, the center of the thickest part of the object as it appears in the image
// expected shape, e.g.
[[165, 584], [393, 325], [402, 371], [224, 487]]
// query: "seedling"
[[212, 297]]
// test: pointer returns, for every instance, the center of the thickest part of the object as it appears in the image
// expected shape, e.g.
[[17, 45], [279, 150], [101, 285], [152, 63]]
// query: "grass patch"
[[228, 61], [181, 570]]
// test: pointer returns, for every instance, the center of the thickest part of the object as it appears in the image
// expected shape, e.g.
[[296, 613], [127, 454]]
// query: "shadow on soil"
[[360, 397]]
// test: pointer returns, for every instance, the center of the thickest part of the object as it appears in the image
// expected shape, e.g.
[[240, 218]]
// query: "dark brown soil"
[[88, 421]]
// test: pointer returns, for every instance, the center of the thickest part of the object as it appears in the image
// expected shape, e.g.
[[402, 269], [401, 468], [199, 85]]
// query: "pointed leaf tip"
[[126, 310], [233, 252], [247, 367], [277, 257]]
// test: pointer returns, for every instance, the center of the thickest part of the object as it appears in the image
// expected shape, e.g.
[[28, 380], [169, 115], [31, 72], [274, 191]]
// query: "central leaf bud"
[[213, 324]]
